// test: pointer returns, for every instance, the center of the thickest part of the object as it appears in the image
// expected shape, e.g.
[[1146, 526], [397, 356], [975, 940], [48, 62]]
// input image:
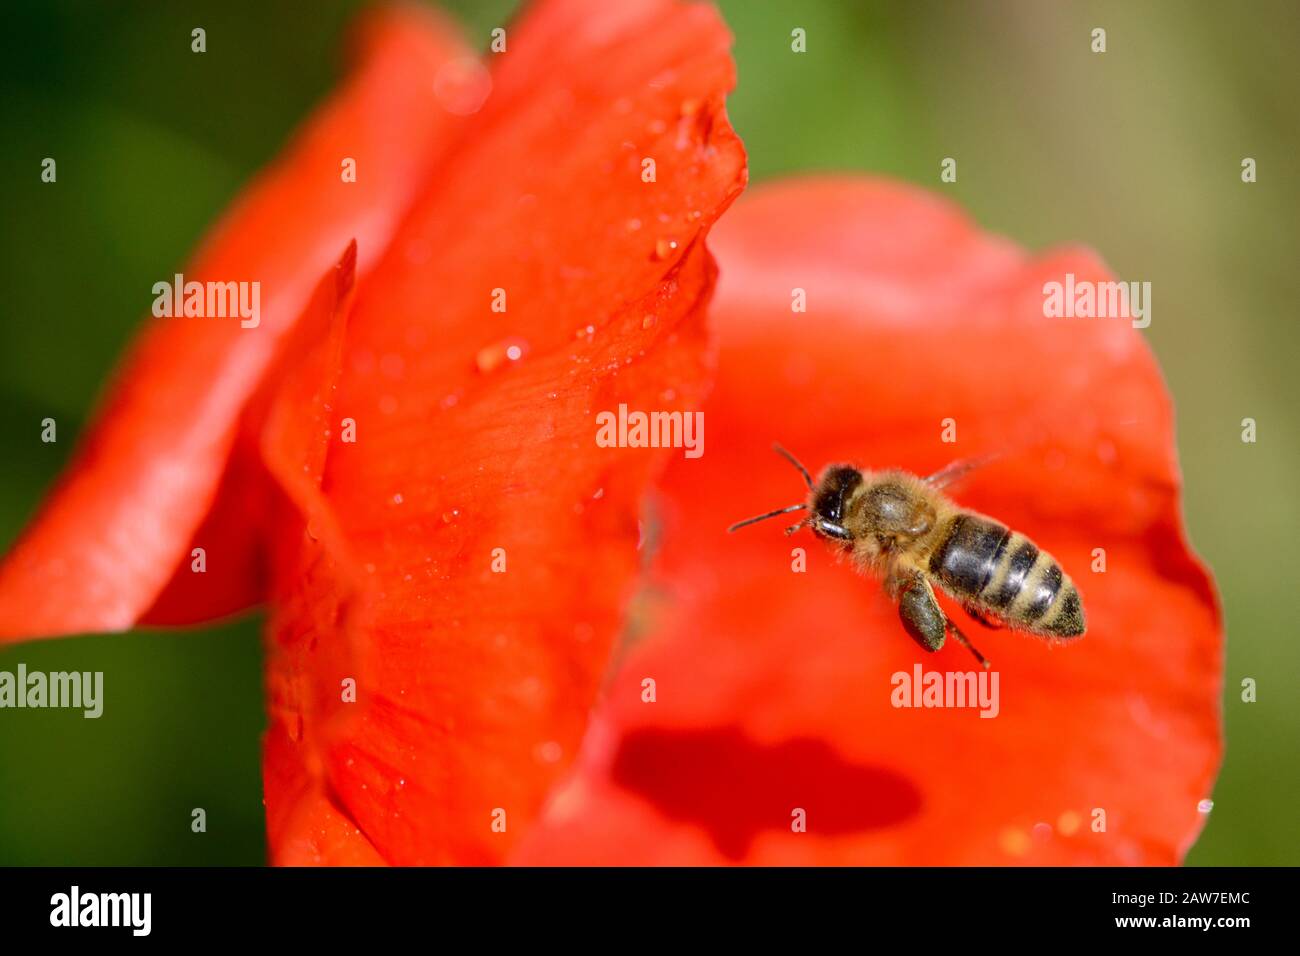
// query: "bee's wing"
[[959, 469]]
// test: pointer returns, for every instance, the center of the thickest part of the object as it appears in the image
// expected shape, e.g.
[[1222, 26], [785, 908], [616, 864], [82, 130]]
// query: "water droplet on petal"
[[648, 322], [449, 516], [665, 248], [1205, 806], [498, 354]]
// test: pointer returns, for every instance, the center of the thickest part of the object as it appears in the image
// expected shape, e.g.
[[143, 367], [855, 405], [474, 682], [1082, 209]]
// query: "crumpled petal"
[[488, 545], [122, 522], [773, 687]]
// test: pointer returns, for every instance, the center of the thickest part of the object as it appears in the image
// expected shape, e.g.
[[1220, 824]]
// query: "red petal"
[[473, 686], [304, 821], [121, 522], [774, 688]]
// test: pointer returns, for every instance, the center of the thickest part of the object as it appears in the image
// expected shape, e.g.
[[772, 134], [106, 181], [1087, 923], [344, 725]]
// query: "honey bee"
[[906, 531]]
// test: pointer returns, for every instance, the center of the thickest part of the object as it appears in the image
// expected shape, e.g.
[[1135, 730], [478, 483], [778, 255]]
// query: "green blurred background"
[[1135, 152]]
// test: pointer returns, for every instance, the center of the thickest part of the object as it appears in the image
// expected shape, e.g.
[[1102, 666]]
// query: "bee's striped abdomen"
[[986, 563]]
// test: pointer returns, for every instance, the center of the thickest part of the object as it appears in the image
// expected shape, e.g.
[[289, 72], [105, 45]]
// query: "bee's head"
[[829, 500]]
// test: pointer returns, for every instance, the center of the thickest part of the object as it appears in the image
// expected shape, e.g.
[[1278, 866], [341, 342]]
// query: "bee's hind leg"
[[922, 617], [965, 642]]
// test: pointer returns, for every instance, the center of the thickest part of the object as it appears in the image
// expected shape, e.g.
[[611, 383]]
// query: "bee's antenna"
[[770, 514], [794, 461]]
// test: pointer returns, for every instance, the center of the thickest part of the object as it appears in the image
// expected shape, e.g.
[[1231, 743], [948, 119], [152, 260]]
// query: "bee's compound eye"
[[837, 485]]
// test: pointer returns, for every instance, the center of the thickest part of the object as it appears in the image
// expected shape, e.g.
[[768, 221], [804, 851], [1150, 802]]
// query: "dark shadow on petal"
[[734, 787]]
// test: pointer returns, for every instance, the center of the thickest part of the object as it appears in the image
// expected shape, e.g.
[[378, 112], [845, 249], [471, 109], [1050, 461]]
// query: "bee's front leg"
[[922, 617]]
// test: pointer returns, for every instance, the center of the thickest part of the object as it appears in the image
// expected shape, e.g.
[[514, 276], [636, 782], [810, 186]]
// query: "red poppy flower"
[[463, 565], [773, 693], [401, 462]]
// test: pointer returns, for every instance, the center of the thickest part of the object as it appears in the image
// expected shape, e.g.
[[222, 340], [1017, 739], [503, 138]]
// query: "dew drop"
[[498, 354], [648, 322], [665, 248], [1205, 806], [449, 516], [397, 498]]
